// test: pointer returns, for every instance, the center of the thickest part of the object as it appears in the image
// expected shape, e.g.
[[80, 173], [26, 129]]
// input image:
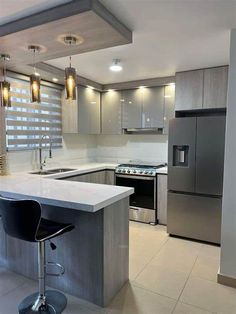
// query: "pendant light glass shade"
[[35, 88], [5, 94], [35, 77], [70, 83], [5, 88]]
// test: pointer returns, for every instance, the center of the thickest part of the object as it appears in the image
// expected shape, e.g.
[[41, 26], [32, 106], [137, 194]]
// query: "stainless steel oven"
[[143, 203]]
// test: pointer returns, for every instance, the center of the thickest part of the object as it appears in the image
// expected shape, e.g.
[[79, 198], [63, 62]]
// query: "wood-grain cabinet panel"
[[162, 199]]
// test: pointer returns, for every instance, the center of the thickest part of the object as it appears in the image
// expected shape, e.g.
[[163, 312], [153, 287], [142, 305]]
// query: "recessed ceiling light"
[[116, 66], [110, 90], [142, 86], [55, 79], [89, 86], [172, 84]]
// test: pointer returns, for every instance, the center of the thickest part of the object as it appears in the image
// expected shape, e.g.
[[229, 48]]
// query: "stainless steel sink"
[[52, 171]]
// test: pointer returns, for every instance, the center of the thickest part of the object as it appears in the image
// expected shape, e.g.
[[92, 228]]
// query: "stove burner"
[[138, 169]]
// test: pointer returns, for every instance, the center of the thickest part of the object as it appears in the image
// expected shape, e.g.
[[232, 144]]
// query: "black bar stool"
[[22, 220]]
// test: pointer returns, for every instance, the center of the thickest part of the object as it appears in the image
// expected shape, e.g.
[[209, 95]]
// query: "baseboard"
[[226, 280]]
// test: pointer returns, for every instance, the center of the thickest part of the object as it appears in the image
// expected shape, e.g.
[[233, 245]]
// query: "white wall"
[[228, 235], [122, 148], [76, 149]]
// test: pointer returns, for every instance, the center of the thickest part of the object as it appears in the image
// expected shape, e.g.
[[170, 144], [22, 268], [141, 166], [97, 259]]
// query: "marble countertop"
[[88, 197], [75, 195]]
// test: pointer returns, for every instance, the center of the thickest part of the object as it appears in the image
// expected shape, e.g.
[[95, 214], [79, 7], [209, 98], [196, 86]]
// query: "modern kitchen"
[[117, 153]]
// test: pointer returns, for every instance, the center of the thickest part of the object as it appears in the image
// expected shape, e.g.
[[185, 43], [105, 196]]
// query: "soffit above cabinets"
[[84, 18]]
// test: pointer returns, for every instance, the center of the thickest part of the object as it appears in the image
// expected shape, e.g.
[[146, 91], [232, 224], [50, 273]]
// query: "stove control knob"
[[119, 170], [146, 172], [128, 171], [123, 171], [134, 171], [140, 171], [151, 172]]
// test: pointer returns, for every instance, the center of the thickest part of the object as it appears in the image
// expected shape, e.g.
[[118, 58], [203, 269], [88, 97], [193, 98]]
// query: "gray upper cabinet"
[[89, 111], [169, 106], [132, 108], [111, 112], [215, 87], [189, 90], [153, 107]]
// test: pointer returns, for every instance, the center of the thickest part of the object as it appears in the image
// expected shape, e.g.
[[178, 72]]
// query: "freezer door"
[[210, 155], [193, 216], [181, 154]]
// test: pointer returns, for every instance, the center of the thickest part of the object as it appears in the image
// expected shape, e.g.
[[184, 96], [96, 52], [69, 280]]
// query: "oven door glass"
[[144, 190]]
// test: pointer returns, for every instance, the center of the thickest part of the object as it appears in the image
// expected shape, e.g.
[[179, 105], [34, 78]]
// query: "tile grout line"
[[186, 282], [156, 253], [185, 286]]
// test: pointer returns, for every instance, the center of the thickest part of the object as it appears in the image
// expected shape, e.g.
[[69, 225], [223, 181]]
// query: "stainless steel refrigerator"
[[195, 177]]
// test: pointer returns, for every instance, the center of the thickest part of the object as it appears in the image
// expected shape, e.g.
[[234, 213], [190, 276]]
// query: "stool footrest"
[[61, 269]]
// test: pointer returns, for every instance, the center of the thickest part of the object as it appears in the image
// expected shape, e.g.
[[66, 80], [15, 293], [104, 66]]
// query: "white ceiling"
[[168, 36]]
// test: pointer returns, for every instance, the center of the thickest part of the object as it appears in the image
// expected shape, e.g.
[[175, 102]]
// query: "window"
[[27, 122]]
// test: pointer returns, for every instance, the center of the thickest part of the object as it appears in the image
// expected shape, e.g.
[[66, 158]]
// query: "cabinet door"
[[132, 108], [111, 112], [98, 177], [162, 199], [169, 106], [69, 115], [153, 107], [79, 178], [89, 110], [215, 87], [110, 177], [189, 90]]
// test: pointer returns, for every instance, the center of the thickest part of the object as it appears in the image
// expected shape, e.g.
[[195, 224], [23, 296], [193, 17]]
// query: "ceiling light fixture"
[[142, 86], [89, 86], [5, 86], [70, 73], [55, 80], [116, 66], [35, 77]]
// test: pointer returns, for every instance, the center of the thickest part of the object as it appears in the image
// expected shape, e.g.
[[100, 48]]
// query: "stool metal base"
[[55, 301]]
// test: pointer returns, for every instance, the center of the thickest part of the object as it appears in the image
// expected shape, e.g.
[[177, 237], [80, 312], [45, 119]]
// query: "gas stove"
[[143, 169]]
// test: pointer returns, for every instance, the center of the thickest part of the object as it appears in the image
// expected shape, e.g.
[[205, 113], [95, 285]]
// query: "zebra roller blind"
[[26, 122]]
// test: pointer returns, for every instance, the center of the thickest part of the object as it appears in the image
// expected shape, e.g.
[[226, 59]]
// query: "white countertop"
[[75, 195]]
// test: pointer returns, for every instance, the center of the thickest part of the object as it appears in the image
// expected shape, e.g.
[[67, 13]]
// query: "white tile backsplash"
[[122, 148], [101, 148]]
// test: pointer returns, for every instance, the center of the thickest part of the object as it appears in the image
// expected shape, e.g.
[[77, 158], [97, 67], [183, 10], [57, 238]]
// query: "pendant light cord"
[[34, 61]]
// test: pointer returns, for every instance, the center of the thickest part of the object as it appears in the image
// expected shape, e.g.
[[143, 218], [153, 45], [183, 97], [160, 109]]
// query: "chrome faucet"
[[42, 163]]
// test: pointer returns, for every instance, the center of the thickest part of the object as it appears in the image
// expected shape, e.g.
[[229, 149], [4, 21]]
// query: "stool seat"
[[22, 220], [49, 229]]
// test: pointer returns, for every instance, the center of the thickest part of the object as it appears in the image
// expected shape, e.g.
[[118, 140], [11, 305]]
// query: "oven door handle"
[[135, 177]]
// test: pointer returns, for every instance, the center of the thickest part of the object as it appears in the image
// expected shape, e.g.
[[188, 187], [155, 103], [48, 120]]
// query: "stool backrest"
[[20, 218]]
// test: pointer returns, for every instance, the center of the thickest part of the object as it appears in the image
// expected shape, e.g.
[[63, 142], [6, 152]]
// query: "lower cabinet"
[[99, 177], [110, 177], [162, 199]]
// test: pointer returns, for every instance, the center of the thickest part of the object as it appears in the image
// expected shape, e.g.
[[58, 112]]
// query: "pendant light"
[[4, 85], [70, 72], [35, 78]]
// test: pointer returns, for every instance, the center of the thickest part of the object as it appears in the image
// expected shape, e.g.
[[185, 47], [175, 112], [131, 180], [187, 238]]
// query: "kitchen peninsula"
[[95, 254]]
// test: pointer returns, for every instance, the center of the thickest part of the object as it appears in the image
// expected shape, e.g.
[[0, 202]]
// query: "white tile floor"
[[167, 275]]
